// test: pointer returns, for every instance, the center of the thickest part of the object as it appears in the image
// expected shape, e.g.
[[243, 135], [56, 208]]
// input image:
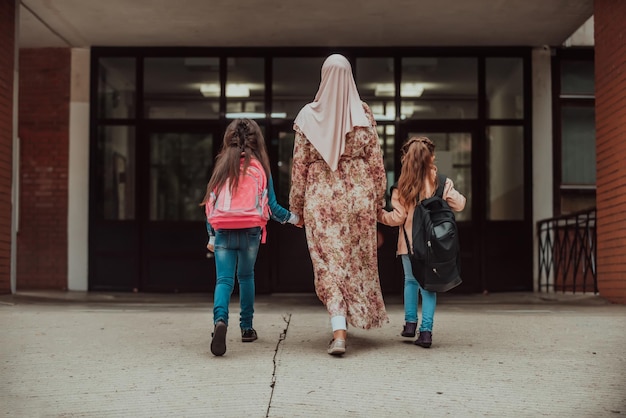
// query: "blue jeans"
[[235, 252], [412, 290]]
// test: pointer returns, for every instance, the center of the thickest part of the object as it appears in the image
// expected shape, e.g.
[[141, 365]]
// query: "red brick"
[[7, 52], [610, 73], [44, 134]]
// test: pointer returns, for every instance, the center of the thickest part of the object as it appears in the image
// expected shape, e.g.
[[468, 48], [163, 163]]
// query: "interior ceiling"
[[221, 23]]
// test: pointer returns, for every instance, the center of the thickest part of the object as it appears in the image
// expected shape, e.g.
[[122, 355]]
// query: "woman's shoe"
[[425, 339], [409, 329], [337, 347]]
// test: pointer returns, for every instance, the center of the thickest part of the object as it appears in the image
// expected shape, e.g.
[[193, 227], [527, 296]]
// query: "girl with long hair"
[[418, 181], [236, 249]]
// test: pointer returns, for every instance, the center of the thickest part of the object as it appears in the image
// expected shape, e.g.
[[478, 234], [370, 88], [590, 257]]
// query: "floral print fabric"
[[339, 210]]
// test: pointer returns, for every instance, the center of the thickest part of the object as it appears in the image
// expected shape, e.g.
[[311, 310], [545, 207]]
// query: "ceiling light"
[[237, 90], [411, 90], [210, 90], [384, 90], [406, 90], [232, 90], [254, 115]]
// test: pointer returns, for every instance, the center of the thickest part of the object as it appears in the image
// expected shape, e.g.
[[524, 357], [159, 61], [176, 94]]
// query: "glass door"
[[454, 156], [292, 270], [174, 257], [494, 228]]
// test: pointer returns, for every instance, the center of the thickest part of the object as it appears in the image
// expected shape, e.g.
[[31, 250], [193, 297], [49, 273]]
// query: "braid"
[[242, 133]]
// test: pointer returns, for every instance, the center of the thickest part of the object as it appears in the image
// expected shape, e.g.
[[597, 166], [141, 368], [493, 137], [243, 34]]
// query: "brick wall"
[[7, 53], [610, 74], [44, 100]]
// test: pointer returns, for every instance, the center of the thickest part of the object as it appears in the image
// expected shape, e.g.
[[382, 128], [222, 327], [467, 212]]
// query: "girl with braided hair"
[[418, 181], [236, 249]]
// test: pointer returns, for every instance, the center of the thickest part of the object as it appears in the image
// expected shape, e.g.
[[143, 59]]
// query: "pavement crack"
[[281, 338]]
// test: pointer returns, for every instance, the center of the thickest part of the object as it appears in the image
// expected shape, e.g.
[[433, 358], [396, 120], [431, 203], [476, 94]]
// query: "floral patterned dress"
[[339, 210]]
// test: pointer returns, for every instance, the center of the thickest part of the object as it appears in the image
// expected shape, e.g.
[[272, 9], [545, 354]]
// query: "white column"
[[542, 165], [78, 183]]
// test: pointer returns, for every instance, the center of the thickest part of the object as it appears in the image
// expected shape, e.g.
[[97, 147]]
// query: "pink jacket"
[[400, 213]]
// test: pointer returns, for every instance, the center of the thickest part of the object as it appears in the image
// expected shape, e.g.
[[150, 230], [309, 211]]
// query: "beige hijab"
[[336, 110]]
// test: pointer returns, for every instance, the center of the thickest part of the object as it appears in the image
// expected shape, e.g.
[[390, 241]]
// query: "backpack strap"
[[406, 239], [441, 183]]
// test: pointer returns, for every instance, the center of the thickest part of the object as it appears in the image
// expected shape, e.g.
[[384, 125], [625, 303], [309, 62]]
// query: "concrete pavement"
[[76, 354]]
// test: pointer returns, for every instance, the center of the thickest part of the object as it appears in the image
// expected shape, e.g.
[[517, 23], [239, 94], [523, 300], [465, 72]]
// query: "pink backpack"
[[246, 207]]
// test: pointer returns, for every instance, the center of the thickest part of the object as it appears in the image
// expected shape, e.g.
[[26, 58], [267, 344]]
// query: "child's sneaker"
[[425, 339], [248, 335], [218, 343], [409, 329]]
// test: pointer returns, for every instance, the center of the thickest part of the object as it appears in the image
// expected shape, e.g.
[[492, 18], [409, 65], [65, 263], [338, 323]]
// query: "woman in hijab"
[[338, 184]]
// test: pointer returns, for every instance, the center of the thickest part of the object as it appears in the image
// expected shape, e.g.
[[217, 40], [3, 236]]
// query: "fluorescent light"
[[210, 90], [254, 115], [384, 90], [406, 90], [237, 90], [381, 117], [411, 89], [232, 90]]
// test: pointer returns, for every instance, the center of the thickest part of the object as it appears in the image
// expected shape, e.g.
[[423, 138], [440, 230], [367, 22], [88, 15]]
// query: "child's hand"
[[210, 247]]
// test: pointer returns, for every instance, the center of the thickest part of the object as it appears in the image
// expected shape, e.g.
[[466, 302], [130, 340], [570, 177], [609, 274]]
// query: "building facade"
[[115, 144]]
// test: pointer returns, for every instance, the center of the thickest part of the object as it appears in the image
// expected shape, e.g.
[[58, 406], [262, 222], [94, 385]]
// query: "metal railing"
[[567, 253]]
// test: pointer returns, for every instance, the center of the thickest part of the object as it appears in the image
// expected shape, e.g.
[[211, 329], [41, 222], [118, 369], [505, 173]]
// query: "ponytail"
[[242, 139], [417, 167]]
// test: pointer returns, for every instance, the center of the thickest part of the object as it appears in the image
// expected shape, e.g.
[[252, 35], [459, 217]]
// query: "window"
[[575, 131], [439, 88], [115, 168], [116, 88], [505, 88], [181, 88]]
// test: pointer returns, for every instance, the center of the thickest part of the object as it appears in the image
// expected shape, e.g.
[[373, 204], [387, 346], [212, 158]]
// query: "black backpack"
[[435, 256]]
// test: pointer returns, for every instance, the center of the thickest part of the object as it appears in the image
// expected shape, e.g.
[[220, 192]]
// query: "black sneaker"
[[218, 343], [409, 329], [425, 339], [248, 335]]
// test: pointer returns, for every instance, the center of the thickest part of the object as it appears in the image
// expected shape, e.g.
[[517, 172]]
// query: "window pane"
[[386, 135], [116, 88], [439, 88], [374, 79], [115, 169], [453, 157], [179, 171], [505, 88], [505, 171], [295, 82], [181, 88], [577, 77], [245, 88], [578, 151], [282, 183]]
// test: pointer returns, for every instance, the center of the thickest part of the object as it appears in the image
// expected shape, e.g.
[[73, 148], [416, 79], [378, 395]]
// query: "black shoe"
[[218, 343], [248, 335], [409, 329], [425, 339]]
